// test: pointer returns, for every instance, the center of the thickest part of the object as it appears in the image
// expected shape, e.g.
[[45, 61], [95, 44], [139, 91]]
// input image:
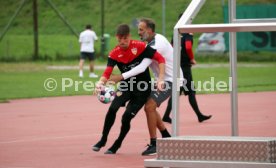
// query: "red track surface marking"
[[58, 132]]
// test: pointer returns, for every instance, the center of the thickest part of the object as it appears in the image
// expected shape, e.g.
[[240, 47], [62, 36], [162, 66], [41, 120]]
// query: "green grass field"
[[26, 80], [16, 48], [51, 47], [58, 46], [56, 41]]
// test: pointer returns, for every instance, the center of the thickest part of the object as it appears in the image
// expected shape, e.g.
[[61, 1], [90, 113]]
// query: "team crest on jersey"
[[134, 51]]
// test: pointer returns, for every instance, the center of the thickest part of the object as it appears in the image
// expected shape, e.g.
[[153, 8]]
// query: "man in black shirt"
[[187, 60]]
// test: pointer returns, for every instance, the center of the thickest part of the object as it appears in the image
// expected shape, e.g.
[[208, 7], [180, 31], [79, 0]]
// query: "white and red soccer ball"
[[106, 95]]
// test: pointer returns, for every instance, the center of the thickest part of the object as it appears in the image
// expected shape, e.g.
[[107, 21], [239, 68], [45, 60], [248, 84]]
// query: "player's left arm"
[[189, 49]]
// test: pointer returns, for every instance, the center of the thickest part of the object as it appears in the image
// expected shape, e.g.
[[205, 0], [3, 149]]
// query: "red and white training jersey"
[[126, 59]]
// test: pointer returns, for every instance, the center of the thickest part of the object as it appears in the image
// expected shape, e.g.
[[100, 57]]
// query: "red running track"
[[58, 132]]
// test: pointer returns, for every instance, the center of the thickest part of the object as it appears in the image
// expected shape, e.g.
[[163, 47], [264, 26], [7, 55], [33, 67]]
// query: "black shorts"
[[161, 96], [88, 55], [188, 86], [135, 99]]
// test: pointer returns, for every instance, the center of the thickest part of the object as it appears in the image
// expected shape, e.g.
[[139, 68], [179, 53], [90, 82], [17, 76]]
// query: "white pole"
[[175, 91], [233, 69]]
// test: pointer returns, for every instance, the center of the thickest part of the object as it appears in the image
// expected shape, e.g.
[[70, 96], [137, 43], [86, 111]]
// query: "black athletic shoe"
[[167, 119], [109, 152], [97, 147], [113, 149], [203, 118], [151, 150]]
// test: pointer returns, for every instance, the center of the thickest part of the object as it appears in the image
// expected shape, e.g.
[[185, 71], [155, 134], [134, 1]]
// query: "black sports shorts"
[[88, 55], [160, 96], [135, 99]]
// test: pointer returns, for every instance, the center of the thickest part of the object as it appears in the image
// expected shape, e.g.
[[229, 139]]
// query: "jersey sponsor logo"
[[134, 51], [121, 55], [130, 66], [133, 65], [125, 68]]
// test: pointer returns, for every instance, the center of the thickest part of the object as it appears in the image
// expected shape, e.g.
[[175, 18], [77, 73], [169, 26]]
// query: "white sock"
[[81, 73]]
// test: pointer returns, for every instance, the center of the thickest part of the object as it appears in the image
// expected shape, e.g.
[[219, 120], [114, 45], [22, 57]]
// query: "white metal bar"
[[190, 13], [263, 20], [175, 92], [233, 71], [231, 27]]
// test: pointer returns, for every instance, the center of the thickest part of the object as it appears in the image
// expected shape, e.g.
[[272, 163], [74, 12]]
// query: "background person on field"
[[87, 39]]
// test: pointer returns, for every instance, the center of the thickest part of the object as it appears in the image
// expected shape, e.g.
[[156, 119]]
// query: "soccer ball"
[[106, 95]]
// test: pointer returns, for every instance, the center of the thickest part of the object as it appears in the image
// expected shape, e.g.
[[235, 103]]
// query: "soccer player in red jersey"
[[126, 55]]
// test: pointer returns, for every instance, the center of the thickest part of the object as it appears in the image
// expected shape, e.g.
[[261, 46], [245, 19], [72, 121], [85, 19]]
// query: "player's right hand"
[[193, 61], [99, 87], [160, 85]]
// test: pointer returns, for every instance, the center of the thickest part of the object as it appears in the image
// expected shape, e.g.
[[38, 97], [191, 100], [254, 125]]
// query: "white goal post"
[[236, 25]]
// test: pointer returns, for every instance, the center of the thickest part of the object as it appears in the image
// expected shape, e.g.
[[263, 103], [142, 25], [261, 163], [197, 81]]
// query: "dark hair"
[[149, 22], [123, 30], [88, 26]]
